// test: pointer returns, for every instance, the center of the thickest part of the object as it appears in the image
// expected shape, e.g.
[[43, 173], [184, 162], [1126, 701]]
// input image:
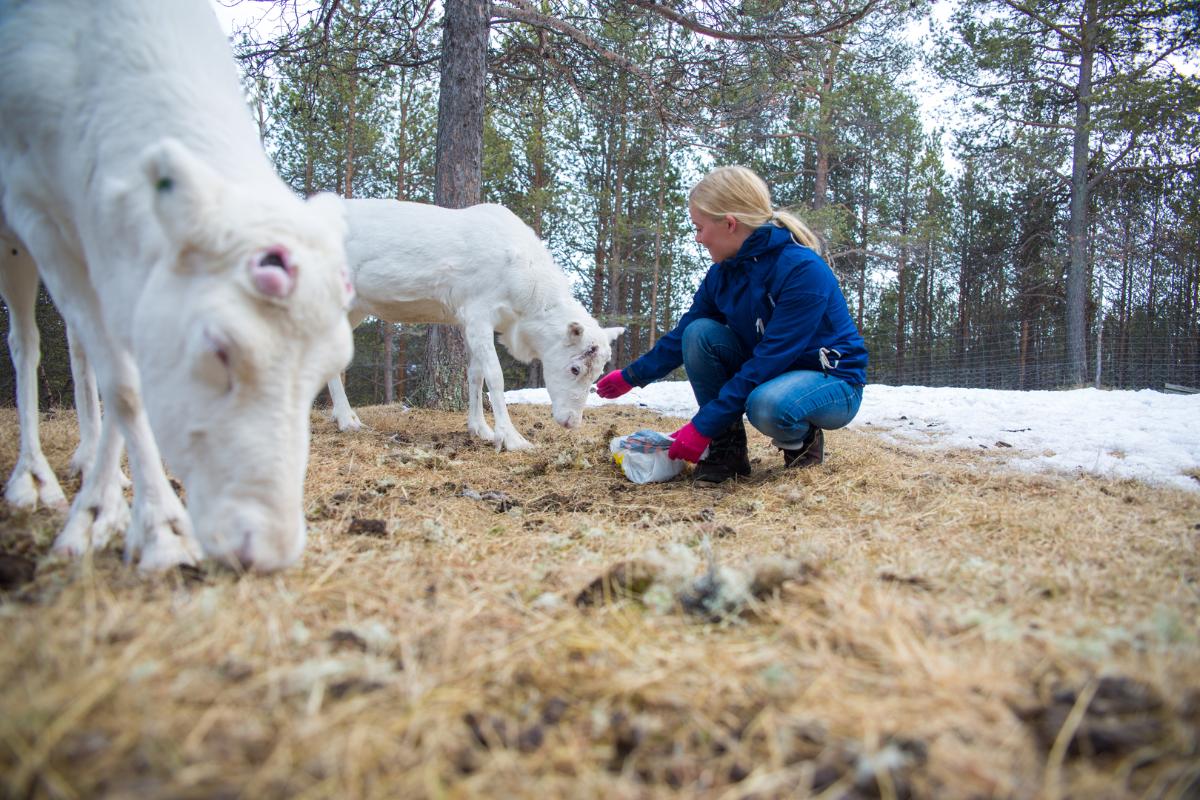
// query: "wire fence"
[[1141, 363], [992, 356]]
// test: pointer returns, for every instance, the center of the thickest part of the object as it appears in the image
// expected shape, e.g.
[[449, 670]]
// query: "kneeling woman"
[[768, 335]]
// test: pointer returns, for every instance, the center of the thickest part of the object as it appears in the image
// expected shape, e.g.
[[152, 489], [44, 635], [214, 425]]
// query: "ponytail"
[[740, 193], [800, 232]]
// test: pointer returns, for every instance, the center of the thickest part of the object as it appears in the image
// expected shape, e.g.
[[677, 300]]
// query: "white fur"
[[130, 167], [32, 479], [87, 406], [484, 269]]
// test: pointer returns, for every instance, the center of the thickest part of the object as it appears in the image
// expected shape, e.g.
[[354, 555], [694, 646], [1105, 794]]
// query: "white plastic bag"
[[642, 456]]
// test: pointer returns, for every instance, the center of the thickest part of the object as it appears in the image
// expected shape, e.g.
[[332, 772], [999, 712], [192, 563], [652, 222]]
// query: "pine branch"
[[523, 11], [843, 20]]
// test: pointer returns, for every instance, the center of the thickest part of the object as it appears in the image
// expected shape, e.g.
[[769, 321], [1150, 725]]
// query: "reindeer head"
[[573, 365], [238, 328]]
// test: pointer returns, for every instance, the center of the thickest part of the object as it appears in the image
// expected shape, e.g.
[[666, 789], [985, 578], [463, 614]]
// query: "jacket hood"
[[765, 239]]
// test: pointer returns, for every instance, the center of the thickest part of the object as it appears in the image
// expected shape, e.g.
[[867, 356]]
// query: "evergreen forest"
[[1006, 189]]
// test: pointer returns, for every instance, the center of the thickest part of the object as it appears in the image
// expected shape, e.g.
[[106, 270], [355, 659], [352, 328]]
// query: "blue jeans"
[[785, 408]]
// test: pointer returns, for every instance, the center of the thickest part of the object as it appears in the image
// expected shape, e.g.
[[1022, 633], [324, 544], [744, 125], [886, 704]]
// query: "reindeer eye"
[[574, 370], [214, 360]]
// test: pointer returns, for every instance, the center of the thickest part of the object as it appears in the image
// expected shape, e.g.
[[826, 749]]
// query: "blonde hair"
[[740, 193]]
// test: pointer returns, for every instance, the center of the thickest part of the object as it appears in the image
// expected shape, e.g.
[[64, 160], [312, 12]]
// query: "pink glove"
[[612, 385], [689, 444]]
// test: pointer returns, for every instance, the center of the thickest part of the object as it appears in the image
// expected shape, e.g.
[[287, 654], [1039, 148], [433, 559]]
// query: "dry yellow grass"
[[957, 632]]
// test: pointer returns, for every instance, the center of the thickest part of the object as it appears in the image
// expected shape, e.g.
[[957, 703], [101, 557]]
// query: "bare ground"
[[466, 623]]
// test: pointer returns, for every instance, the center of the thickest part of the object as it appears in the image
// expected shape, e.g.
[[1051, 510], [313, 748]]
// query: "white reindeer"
[[211, 299], [484, 269], [32, 480]]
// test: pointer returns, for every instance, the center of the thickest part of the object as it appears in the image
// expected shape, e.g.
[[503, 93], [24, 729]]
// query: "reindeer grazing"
[[210, 298], [484, 269]]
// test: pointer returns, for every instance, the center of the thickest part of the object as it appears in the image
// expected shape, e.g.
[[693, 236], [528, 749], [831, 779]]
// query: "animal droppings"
[[367, 527]]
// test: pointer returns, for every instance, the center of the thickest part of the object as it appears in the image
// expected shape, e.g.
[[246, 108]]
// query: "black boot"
[[728, 457], [810, 453]]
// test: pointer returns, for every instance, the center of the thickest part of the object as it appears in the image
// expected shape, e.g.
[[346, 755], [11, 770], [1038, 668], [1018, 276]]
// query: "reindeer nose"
[[265, 547], [243, 557], [253, 559]]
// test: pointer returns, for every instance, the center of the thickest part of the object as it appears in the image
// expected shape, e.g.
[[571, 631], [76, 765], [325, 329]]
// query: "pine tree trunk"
[[605, 216], [402, 360], [825, 128], [386, 332], [398, 375], [616, 305], [1147, 359], [660, 217], [458, 175], [901, 278], [1023, 355], [963, 325], [863, 231], [348, 189], [1077, 275], [927, 315]]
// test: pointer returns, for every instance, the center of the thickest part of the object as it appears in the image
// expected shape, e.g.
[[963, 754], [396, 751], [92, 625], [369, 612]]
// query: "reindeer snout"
[[259, 545], [569, 420]]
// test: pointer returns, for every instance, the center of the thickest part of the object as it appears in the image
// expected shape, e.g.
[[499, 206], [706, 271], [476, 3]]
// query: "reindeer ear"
[[184, 189], [574, 332], [331, 207], [613, 333], [332, 210]]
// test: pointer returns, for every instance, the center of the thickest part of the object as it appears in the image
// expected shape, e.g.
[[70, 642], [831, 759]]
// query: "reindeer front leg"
[[160, 529], [342, 413], [99, 509], [87, 406], [347, 419], [32, 480], [476, 422], [484, 365]]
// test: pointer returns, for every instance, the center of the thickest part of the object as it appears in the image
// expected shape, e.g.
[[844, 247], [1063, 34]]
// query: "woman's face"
[[722, 236]]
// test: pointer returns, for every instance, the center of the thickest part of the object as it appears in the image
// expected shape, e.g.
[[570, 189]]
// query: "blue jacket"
[[784, 303]]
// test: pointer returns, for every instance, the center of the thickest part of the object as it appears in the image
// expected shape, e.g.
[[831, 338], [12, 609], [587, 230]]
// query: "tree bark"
[[458, 174], [1151, 301], [398, 375], [901, 277], [348, 189], [1077, 274], [616, 306], [864, 231], [539, 182], [387, 333], [661, 215], [824, 141]]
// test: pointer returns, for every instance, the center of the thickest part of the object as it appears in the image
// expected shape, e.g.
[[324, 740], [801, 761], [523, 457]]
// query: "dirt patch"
[[15, 571]]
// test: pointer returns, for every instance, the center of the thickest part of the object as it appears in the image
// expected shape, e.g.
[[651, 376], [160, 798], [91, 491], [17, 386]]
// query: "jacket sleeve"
[[794, 323], [667, 353]]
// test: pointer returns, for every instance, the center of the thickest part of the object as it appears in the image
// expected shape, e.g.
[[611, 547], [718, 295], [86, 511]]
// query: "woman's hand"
[[689, 444], [612, 385]]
